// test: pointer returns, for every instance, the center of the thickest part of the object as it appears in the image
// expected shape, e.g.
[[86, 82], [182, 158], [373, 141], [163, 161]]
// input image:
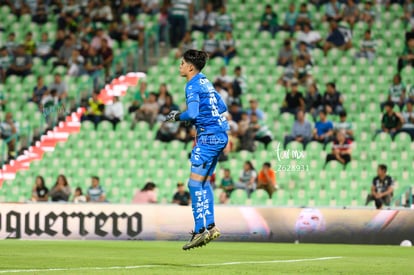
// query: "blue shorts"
[[206, 152]]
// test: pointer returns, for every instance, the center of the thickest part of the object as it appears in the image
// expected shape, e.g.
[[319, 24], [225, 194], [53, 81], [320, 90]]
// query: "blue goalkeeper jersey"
[[209, 119]]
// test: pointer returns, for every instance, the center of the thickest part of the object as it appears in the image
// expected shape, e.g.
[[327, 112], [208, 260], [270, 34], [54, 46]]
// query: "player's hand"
[[173, 116]]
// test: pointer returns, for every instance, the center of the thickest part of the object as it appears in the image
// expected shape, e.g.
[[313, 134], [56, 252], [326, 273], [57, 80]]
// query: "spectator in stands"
[[301, 130], [188, 43], [285, 56], [40, 192], [407, 57], [107, 56], [391, 121], [101, 12], [223, 93], [267, 179], [224, 78], [21, 64], [294, 100], [94, 65], [333, 11], [60, 86], [236, 112], [341, 149], [410, 34], [224, 21], [65, 52], [146, 195], [344, 125], [228, 47], [227, 185], [79, 197], [246, 136], [304, 15], [58, 43], [114, 112], [5, 61], [163, 25], [39, 91], [205, 20], [367, 46], [95, 110], [11, 44], [408, 119], [337, 38], [212, 46], [182, 196], [368, 13], [260, 130], [40, 13], [396, 93], [29, 44], [135, 30], [410, 95], [254, 109], [162, 95], [96, 192], [408, 11], [350, 13], [70, 12], [96, 42], [76, 64], [148, 111], [44, 48], [239, 86], [323, 130], [313, 100], [180, 12], [19, 8], [168, 130], [303, 68], [269, 21], [247, 179], [61, 190], [382, 188], [332, 100], [9, 128], [310, 37], [140, 96], [291, 16]]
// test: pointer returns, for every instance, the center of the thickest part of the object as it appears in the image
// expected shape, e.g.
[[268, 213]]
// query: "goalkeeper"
[[204, 109]]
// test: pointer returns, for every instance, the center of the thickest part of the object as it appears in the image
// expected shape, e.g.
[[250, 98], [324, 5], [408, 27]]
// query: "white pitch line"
[[270, 262], [158, 265], [75, 269]]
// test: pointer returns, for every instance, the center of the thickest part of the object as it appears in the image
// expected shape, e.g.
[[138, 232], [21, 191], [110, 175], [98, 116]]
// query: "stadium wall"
[[170, 222]]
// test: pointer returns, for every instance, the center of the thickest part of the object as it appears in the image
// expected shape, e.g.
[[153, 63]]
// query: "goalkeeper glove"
[[173, 116]]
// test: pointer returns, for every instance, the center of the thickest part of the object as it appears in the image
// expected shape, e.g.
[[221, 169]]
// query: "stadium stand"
[[126, 159]]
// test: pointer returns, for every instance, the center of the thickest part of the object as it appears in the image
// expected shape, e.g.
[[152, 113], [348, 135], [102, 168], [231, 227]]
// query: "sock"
[[197, 203], [208, 197]]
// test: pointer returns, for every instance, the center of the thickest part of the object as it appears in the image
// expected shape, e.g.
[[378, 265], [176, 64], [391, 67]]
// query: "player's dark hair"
[[267, 164], [383, 167], [197, 58]]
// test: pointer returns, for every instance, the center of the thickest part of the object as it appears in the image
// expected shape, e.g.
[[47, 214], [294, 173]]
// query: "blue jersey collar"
[[196, 78]]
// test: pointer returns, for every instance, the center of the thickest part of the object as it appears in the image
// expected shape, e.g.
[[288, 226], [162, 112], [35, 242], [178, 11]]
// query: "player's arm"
[[193, 109]]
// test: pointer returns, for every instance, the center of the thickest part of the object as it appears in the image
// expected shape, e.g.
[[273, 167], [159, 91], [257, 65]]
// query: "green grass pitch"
[[156, 257]]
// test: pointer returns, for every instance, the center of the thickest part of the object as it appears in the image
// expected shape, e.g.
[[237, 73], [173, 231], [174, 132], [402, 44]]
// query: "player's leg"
[[195, 185]]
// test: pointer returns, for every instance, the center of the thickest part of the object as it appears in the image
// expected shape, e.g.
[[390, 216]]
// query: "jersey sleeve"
[[220, 103], [192, 95]]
